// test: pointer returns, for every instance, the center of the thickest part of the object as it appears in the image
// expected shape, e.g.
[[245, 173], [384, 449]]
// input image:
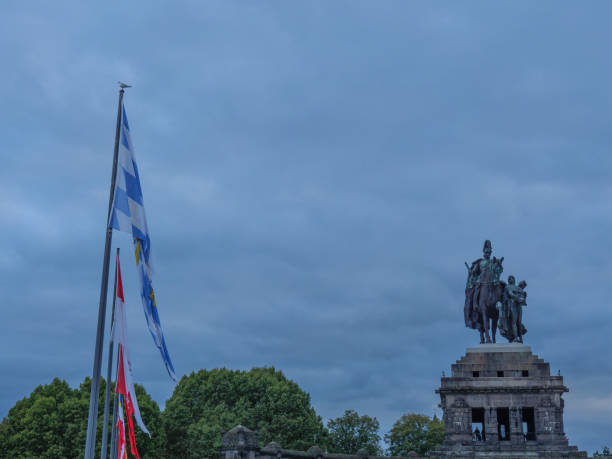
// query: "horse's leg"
[[494, 320], [482, 340]]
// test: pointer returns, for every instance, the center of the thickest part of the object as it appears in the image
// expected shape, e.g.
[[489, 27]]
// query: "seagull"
[[123, 85]]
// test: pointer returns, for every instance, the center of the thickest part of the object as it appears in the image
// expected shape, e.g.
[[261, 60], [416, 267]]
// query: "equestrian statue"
[[490, 302]]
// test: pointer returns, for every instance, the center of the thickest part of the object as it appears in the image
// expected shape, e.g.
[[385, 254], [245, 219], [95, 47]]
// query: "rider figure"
[[483, 289], [486, 270]]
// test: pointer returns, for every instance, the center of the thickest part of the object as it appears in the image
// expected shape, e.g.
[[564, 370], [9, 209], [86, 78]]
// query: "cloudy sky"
[[315, 176]]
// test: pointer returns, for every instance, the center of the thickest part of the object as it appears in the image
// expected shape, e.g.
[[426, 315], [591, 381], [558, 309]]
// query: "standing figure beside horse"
[[511, 315]]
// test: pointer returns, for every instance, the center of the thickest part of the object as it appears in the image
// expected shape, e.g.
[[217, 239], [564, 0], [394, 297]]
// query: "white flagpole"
[[92, 419]]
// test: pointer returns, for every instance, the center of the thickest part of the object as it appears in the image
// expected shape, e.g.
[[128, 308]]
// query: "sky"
[[315, 175]]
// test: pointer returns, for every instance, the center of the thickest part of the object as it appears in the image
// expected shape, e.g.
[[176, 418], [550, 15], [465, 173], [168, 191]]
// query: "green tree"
[[153, 446], [207, 402], [604, 452], [46, 424], [414, 432], [52, 422], [351, 432]]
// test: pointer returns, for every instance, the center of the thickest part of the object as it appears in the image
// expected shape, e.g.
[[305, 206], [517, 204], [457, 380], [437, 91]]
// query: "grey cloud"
[[314, 175]]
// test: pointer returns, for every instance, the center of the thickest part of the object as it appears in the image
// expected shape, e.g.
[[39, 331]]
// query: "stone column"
[[516, 427], [458, 423], [491, 425], [561, 407], [558, 433], [546, 422], [239, 443]]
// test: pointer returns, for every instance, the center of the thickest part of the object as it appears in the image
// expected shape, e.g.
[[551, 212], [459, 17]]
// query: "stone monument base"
[[502, 402]]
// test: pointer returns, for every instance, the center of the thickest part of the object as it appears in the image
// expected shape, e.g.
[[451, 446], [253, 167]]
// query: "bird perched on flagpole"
[[123, 85]]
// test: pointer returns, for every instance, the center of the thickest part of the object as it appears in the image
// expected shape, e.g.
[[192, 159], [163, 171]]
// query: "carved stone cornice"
[[502, 390]]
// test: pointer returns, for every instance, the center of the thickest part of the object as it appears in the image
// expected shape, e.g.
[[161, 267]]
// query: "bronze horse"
[[483, 292], [486, 297]]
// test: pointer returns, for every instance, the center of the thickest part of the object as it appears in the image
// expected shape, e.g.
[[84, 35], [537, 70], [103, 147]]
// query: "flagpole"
[[113, 444], [92, 419], [109, 369]]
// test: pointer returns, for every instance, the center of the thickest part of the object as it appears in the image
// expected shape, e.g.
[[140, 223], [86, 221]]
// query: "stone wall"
[[241, 443]]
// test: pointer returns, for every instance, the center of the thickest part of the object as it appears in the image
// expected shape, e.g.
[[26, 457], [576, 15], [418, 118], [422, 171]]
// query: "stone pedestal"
[[239, 443], [509, 393]]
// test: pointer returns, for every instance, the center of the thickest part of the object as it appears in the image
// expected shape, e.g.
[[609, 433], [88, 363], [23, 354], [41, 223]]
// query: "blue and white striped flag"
[[128, 215]]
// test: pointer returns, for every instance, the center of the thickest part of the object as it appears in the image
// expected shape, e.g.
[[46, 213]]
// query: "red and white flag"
[[121, 449], [125, 384]]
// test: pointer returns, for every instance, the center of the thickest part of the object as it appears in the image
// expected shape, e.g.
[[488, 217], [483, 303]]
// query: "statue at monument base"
[[499, 402]]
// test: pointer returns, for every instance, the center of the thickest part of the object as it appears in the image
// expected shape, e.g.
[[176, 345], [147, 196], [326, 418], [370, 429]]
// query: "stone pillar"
[[491, 425], [459, 422], [561, 407], [516, 427], [546, 421], [315, 451], [558, 433], [239, 443]]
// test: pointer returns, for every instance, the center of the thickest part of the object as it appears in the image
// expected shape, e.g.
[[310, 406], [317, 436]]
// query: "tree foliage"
[[351, 432], [52, 422], [604, 452], [48, 423], [207, 402], [414, 432]]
